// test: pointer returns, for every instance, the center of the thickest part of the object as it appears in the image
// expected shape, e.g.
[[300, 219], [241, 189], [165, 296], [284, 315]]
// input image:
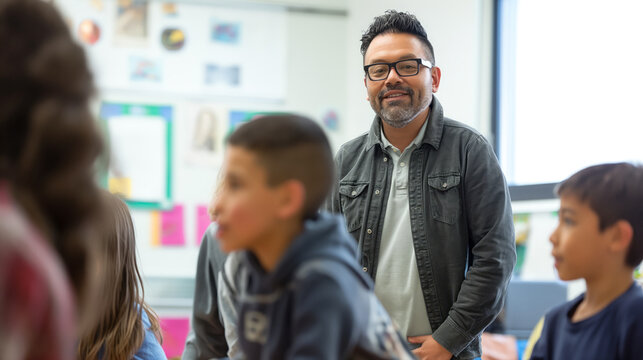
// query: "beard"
[[398, 114]]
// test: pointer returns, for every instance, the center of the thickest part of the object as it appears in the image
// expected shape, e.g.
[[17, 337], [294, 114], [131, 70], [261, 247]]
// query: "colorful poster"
[[131, 22], [88, 31], [330, 119], [522, 226], [175, 331], [172, 229], [239, 117], [173, 39], [202, 222], [216, 74], [225, 32], [142, 69], [169, 9]]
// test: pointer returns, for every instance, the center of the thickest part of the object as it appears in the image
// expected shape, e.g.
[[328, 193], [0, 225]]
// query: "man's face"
[[398, 100], [244, 205]]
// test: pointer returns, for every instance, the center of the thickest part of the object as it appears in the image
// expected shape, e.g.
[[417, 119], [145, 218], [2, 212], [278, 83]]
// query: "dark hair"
[[396, 22], [48, 138], [290, 147], [119, 331], [614, 192]]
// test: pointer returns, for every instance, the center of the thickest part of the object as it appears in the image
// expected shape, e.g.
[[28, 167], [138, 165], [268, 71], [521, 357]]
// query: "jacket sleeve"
[[487, 208], [206, 339], [228, 291]]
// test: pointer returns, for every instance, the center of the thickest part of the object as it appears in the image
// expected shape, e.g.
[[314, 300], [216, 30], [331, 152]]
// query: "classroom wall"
[[323, 72]]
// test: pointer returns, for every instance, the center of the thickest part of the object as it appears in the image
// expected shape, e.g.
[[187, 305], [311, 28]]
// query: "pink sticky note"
[[202, 222], [172, 226], [175, 331]]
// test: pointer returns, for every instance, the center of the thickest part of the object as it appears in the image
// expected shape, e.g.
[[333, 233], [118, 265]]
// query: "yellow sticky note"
[[155, 228], [121, 186]]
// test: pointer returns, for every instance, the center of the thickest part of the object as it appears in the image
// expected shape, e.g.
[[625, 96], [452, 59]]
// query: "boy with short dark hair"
[[295, 283], [600, 239]]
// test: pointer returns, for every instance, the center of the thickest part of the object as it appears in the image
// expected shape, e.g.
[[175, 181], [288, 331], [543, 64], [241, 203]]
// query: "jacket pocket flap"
[[444, 182], [352, 190]]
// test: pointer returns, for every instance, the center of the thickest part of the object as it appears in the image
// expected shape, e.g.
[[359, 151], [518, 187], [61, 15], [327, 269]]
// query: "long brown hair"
[[48, 138], [120, 331]]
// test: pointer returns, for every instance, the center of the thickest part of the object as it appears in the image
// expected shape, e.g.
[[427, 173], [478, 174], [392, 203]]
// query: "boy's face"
[[579, 247], [244, 207]]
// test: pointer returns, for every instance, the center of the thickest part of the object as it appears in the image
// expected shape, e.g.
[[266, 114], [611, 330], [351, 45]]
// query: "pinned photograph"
[[97, 4], [222, 75], [238, 117], [88, 32], [204, 135], [169, 9], [225, 32], [142, 69], [173, 39], [131, 22], [330, 119]]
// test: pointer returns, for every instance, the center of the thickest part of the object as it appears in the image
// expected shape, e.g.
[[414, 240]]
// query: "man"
[[425, 198]]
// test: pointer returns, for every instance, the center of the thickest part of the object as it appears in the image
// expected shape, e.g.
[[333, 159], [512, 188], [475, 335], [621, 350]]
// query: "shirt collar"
[[417, 141]]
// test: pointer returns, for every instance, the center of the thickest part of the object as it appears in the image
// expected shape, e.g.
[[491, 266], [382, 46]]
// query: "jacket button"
[[385, 159], [444, 185], [365, 269], [369, 231], [354, 193], [377, 192]]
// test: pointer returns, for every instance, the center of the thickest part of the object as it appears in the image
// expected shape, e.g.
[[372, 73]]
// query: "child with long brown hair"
[[48, 194], [127, 328]]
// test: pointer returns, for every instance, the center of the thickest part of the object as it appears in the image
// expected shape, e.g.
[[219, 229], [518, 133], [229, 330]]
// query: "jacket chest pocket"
[[352, 198], [444, 197]]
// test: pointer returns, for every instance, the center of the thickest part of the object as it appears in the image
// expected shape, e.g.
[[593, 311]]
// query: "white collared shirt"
[[397, 281]]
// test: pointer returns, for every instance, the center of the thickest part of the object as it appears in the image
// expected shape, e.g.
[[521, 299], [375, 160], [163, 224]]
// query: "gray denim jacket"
[[461, 222]]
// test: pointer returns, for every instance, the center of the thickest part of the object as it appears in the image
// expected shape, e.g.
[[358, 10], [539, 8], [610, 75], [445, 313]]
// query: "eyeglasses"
[[406, 67]]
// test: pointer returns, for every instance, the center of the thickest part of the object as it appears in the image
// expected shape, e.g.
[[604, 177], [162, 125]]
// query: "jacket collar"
[[432, 136]]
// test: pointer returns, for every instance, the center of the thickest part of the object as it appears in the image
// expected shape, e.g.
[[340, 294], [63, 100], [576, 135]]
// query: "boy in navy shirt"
[[293, 283], [599, 239]]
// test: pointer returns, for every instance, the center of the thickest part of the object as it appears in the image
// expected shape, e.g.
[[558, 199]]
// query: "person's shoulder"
[[328, 275], [354, 144], [557, 315], [459, 129], [329, 288], [629, 306]]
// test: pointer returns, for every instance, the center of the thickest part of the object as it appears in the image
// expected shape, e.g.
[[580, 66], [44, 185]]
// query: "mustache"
[[386, 89]]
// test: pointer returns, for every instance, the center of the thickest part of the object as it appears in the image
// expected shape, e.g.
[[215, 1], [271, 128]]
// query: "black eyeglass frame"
[[425, 63]]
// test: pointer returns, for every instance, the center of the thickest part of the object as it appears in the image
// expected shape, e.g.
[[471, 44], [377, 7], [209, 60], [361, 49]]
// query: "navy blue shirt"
[[616, 332]]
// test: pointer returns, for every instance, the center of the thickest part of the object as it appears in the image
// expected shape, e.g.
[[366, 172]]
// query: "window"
[[569, 87]]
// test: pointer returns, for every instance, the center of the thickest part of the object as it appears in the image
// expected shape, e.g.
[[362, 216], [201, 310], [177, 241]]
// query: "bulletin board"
[[183, 48], [164, 60], [140, 145]]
